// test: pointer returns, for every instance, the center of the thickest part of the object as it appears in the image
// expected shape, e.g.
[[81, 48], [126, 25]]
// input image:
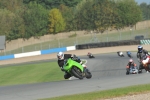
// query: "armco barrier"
[[35, 53]]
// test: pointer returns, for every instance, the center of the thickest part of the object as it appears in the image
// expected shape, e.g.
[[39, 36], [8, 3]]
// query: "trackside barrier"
[[49, 51], [145, 42], [7, 57], [108, 44], [27, 54], [35, 53]]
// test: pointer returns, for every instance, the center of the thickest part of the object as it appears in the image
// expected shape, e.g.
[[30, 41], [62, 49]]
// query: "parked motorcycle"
[[76, 69], [132, 70]]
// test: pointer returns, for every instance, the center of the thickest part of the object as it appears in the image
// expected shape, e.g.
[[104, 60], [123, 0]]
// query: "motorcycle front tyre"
[[76, 72]]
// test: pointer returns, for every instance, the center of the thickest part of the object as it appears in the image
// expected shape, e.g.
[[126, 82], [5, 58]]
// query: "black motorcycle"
[[91, 56]]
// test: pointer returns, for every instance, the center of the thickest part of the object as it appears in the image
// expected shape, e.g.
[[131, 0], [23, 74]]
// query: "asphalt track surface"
[[108, 72]]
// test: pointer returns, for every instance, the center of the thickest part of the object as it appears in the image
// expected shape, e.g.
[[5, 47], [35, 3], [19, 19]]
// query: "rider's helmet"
[[130, 60], [140, 48], [60, 55]]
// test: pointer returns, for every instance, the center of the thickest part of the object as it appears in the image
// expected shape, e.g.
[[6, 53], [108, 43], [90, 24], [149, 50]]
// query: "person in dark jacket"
[[129, 54], [61, 57], [90, 55], [130, 65], [141, 52]]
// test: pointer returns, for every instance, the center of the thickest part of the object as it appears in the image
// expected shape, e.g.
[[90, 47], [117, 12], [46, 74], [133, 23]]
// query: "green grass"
[[73, 35], [106, 93], [32, 73]]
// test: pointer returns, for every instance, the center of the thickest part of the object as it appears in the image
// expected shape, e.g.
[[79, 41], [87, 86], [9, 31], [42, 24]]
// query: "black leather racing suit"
[[140, 53], [67, 56]]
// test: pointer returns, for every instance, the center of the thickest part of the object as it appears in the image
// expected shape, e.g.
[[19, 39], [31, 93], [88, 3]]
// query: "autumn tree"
[[57, 23]]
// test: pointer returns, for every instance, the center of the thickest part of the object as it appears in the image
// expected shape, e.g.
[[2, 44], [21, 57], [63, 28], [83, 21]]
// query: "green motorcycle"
[[76, 69]]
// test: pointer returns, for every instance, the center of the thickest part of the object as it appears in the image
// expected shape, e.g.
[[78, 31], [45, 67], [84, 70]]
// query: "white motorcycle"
[[120, 54]]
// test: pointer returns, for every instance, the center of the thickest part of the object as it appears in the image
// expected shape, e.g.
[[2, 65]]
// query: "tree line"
[[35, 18]]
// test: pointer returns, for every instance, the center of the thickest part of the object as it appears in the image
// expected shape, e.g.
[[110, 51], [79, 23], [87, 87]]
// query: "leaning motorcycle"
[[145, 66], [76, 69], [91, 56], [129, 55], [120, 54], [132, 70]]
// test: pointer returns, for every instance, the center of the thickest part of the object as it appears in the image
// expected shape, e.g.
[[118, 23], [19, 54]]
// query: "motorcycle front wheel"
[[77, 72]]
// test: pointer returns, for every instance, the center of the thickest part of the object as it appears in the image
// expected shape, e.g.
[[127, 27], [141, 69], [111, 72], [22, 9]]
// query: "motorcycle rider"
[[146, 59], [130, 65], [142, 51], [90, 55], [120, 54], [129, 54], [61, 57]]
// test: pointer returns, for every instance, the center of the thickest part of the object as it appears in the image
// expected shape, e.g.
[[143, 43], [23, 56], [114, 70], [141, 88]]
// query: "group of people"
[[142, 54], [61, 57]]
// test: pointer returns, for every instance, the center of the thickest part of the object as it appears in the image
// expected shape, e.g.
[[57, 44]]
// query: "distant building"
[[2, 42]]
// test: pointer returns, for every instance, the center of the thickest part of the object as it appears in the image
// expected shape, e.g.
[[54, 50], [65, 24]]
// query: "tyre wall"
[[108, 44]]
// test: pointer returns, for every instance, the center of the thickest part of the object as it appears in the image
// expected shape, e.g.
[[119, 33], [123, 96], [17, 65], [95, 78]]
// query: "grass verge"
[[100, 95], [32, 73]]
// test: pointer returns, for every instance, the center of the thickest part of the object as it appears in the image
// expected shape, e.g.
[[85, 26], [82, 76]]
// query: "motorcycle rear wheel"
[[88, 74]]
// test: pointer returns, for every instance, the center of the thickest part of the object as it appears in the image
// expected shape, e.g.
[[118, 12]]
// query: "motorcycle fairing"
[[70, 63]]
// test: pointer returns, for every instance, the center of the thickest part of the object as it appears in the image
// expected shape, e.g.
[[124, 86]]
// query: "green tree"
[[95, 15], [145, 11], [84, 15], [57, 23], [71, 3], [36, 20], [68, 15], [49, 4], [104, 14], [12, 12], [10, 24], [129, 12]]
